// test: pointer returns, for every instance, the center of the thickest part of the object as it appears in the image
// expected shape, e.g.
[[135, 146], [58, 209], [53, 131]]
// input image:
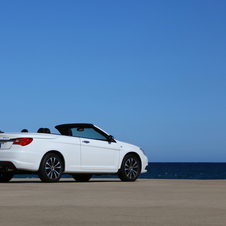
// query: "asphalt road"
[[29, 202]]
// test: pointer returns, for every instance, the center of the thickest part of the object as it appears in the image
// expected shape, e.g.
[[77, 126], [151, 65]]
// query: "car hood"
[[127, 146]]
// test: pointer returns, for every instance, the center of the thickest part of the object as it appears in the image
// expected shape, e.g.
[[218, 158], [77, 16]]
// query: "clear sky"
[[149, 72]]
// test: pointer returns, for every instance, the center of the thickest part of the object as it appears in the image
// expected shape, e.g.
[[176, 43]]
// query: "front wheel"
[[82, 177], [6, 176], [130, 168], [51, 168]]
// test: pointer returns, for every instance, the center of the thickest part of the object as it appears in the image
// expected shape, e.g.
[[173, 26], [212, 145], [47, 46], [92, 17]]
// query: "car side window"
[[87, 133]]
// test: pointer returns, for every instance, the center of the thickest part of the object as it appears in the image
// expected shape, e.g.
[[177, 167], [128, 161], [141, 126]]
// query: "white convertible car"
[[80, 150]]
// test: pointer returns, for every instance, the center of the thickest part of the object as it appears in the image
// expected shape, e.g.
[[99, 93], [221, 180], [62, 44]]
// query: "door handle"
[[85, 141]]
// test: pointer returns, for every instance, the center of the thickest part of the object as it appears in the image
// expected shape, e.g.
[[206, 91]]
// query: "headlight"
[[142, 151]]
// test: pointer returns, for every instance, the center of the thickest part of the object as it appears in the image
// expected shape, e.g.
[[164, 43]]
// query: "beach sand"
[[112, 202]]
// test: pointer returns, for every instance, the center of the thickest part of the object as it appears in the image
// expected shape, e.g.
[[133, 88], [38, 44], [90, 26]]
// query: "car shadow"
[[23, 181]]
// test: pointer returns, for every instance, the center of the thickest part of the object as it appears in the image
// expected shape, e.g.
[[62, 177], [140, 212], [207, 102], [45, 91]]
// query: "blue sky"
[[151, 73]]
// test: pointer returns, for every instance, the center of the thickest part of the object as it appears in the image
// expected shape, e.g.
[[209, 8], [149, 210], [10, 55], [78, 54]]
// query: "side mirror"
[[111, 138]]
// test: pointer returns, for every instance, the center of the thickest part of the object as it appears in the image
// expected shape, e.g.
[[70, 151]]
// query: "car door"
[[97, 153]]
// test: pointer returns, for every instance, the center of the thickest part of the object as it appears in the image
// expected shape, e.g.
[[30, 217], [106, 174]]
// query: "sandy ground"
[[112, 202]]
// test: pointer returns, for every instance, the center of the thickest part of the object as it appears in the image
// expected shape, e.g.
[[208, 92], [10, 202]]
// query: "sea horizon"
[[170, 170]]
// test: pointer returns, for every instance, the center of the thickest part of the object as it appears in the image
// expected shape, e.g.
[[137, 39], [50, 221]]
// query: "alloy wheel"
[[131, 168], [53, 168]]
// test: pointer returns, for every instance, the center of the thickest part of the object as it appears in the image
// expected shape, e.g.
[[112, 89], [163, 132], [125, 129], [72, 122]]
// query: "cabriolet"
[[80, 149]]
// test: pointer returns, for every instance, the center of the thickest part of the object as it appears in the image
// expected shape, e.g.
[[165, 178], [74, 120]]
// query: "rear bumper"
[[7, 166]]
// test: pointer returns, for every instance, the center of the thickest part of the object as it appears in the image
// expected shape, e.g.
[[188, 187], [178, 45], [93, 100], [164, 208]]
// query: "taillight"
[[23, 141]]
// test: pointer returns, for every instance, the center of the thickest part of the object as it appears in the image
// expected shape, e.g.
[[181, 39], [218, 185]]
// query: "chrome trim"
[[4, 141]]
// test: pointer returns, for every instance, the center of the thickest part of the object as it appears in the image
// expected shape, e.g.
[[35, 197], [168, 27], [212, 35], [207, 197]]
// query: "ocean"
[[203, 171], [167, 170]]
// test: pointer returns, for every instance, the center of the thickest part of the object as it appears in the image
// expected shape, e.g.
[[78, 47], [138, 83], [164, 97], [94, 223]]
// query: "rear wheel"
[[6, 176], [130, 168], [51, 168], [82, 177]]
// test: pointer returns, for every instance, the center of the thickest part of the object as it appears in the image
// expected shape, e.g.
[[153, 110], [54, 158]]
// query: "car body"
[[81, 149]]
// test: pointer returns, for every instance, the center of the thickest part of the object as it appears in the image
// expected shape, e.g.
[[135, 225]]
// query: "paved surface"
[[112, 202]]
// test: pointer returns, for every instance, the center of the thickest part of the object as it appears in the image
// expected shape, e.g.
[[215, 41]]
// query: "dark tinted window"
[[87, 133]]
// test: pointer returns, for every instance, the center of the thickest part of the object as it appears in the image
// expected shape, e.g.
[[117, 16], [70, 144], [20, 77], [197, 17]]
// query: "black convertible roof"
[[71, 125]]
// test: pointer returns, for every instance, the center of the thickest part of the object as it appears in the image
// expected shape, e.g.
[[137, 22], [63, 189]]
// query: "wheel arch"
[[128, 170], [55, 152]]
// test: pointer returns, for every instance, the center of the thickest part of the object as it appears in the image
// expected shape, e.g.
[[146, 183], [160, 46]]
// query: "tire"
[[130, 168], [51, 168], [6, 176], [82, 177]]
